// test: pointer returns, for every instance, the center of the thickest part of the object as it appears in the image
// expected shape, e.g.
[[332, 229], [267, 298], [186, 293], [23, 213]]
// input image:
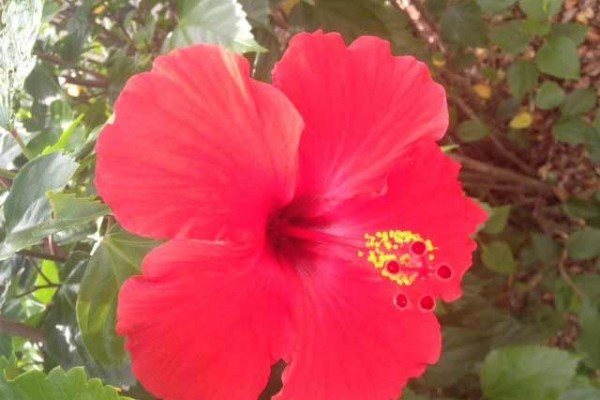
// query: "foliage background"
[[522, 76]]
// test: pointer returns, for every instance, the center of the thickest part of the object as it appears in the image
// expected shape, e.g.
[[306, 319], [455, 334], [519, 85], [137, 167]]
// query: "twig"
[[87, 82], [59, 61], [36, 288], [493, 137], [565, 275], [4, 173], [19, 141], [22, 330], [502, 173], [43, 256]]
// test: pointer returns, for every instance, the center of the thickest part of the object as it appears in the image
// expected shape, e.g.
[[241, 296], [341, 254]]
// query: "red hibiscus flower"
[[314, 220]]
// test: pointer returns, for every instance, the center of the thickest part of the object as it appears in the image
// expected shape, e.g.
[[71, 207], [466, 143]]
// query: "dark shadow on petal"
[[275, 384]]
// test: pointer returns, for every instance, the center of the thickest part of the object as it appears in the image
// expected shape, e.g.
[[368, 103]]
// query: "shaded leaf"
[[584, 244], [68, 212], [498, 257], [579, 102], [497, 220], [60, 385], [522, 77], [510, 36], [558, 57], [117, 257], [549, 96], [27, 205], [461, 24], [495, 6], [220, 22], [527, 373], [472, 131], [588, 341], [575, 32], [574, 131], [540, 9]]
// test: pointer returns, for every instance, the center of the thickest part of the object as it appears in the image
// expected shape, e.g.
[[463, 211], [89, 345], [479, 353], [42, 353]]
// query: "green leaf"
[[545, 249], [462, 349], [536, 27], [117, 257], [498, 257], [257, 11], [42, 83], [549, 96], [50, 271], [497, 220], [541, 9], [27, 205], [581, 389], [220, 22], [575, 32], [522, 77], [579, 102], [461, 24], [584, 244], [472, 131], [354, 18], [60, 385], [510, 37], [527, 373], [63, 141], [574, 131], [578, 208], [495, 6], [558, 57], [588, 341], [68, 212]]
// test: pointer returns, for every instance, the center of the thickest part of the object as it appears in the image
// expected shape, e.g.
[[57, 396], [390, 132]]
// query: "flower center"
[[403, 256]]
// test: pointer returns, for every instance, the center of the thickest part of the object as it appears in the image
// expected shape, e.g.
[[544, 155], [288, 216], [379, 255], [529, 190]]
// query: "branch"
[[18, 329], [502, 173], [95, 83], [43, 256], [59, 61]]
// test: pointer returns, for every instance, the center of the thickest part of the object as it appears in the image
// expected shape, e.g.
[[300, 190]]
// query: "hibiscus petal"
[[426, 198], [354, 343], [362, 107], [206, 321], [196, 144]]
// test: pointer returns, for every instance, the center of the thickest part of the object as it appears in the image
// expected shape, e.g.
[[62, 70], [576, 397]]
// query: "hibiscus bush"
[[103, 162]]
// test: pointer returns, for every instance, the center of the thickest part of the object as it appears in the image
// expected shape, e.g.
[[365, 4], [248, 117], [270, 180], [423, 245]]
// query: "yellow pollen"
[[384, 247]]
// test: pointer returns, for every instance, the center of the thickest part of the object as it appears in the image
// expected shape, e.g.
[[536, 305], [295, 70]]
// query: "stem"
[[18, 329], [565, 275], [19, 141], [507, 154], [502, 173], [59, 61], [43, 256], [36, 288], [4, 173], [96, 83]]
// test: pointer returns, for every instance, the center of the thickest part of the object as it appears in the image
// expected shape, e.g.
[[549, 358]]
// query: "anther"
[[401, 301], [444, 272], [427, 303]]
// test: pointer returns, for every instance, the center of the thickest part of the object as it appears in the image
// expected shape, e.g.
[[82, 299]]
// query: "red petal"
[[195, 145], [354, 343], [424, 197], [205, 321], [362, 108]]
